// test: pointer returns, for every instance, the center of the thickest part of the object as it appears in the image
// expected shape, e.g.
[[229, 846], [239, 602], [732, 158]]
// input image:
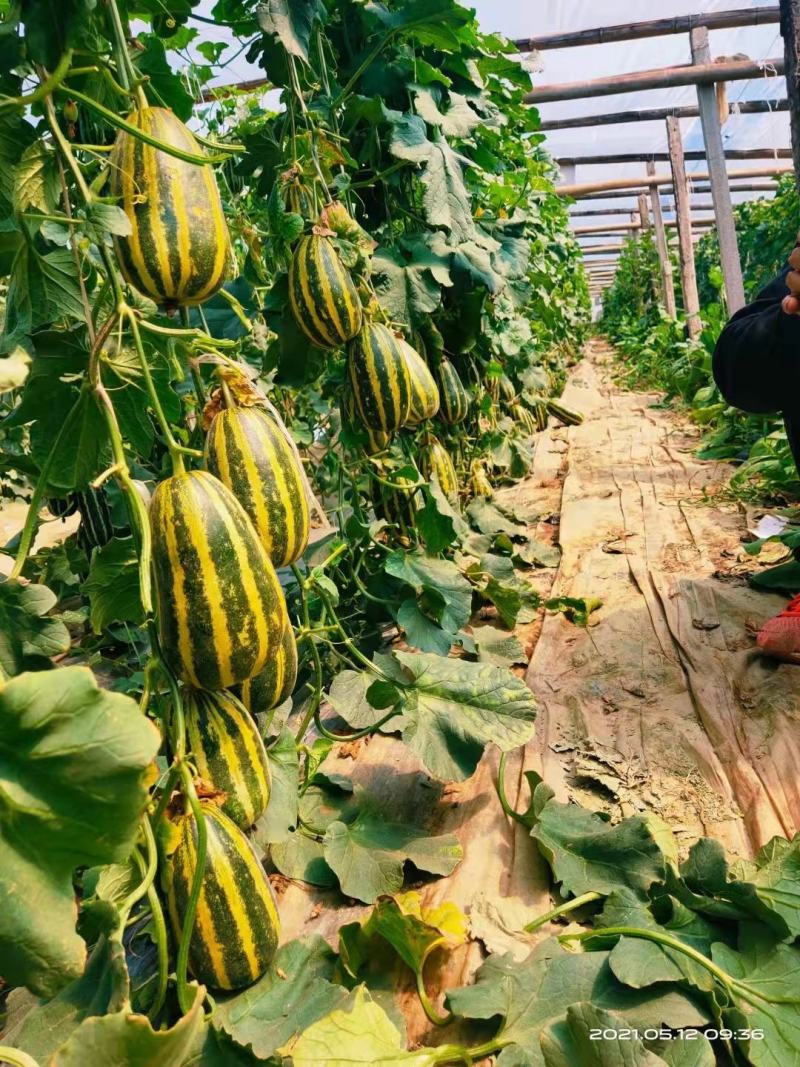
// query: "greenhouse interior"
[[400, 533]]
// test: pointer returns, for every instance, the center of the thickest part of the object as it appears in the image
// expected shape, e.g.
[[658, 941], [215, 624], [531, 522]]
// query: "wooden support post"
[[691, 301], [790, 29], [644, 212], [667, 281], [720, 190]]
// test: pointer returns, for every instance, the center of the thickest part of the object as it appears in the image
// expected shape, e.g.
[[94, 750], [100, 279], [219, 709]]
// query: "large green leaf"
[[358, 1032], [102, 988], [453, 709], [43, 289], [368, 855], [589, 854], [569, 1041], [291, 22], [443, 593], [776, 877], [408, 280], [74, 761], [125, 1038], [113, 584], [532, 995], [280, 818], [53, 26], [295, 992], [28, 637]]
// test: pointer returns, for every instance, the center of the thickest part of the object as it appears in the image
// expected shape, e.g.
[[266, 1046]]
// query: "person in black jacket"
[[757, 368]]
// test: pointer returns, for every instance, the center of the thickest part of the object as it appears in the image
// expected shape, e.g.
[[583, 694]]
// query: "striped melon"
[[481, 486], [424, 391], [322, 295], [178, 249], [227, 750], [276, 682], [377, 440], [379, 378], [221, 610], [454, 397], [246, 450], [236, 926], [436, 460]]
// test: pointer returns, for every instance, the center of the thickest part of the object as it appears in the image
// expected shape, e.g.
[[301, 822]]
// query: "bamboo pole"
[[579, 189], [636, 31], [660, 78], [664, 260], [658, 114], [720, 190], [696, 190], [691, 301], [790, 31], [663, 157]]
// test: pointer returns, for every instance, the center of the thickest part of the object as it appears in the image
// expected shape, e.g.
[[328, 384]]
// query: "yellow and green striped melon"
[[379, 377], [377, 440], [178, 251], [454, 397], [322, 295], [276, 682], [436, 460], [226, 748], [247, 451], [424, 391], [221, 610], [236, 926]]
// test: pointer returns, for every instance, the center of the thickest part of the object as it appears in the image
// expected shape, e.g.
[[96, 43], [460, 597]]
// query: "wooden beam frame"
[[636, 31], [697, 190], [660, 78], [580, 188], [658, 114], [664, 260], [691, 301], [663, 157]]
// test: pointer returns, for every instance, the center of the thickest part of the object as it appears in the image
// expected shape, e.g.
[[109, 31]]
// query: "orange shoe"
[[779, 637]]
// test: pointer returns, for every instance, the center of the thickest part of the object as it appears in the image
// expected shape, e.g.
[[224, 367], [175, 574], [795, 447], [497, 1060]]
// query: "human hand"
[[791, 303]]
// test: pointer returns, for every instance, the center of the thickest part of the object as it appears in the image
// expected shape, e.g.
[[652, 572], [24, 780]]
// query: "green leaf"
[[348, 698], [438, 523], [408, 280], [488, 518], [103, 220], [102, 988], [498, 648], [37, 180], [421, 632], [53, 26], [368, 854], [442, 590], [709, 888], [359, 1032], [589, 854], [412, 930], [532, 995], [302, 859], [16, 136], [453, 709], [456, 120], [113, 585], [296, 991], [776, 877], [28, 638], [291, 22], [43, 289], [74, 761], [280, 819], [165, 88], [567, 1042], [130, 1039], [768, 999]]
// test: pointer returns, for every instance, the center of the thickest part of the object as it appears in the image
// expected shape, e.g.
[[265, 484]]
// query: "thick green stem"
[[427, 1004], [185, 998], [134, 131], [150, 872], [562, 909], [159, 931], [345, 738], [501, 791], [32, 516], [236, 308]]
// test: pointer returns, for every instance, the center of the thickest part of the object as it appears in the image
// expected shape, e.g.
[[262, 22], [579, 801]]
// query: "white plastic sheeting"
[[760, 43]]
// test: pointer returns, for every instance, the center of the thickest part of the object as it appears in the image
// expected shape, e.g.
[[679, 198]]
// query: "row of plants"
[[657, 353], [276, 364]]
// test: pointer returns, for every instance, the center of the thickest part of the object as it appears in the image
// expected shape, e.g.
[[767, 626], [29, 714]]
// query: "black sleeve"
[[757, 358]]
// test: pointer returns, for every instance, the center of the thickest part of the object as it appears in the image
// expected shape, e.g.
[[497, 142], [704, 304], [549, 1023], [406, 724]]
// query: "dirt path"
[[660, 705]]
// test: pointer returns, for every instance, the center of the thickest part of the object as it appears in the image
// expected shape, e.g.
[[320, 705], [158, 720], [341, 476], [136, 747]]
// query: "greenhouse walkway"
[[660, 705]]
